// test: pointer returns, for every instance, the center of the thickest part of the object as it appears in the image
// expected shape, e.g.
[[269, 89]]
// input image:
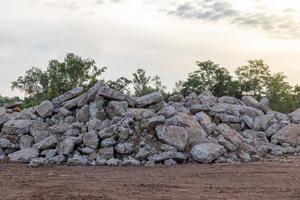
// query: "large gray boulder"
[[67, 96], [45, 109], [66, 146], [173, 135], [110, 93], [295, 116], [24, 155], [230, 135], [91, 140], [39, 131], [207, 153], [16, 127], [83, 115], [47, 143], [116, 108], [289, 134], [26, 141], [125, 148], [183, 120], [6, 144], [148, 99]]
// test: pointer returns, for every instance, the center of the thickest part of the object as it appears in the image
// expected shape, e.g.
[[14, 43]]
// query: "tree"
[[7, 100], [253, 78], [144, 84], [211, 77], [33, 83], [121, 84], [74, 71], [59, 77], [279, 93]]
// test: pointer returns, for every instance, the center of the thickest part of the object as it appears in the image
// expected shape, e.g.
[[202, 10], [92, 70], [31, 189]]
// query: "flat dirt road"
[[260, 180]]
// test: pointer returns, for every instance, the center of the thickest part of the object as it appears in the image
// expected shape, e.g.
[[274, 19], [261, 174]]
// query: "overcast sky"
[[165, 37]]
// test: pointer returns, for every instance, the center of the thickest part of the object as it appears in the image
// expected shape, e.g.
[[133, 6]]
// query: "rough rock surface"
[[105, 127]]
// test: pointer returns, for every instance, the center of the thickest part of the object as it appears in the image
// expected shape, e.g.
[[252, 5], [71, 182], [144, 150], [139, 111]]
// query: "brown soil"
[[261, 180]]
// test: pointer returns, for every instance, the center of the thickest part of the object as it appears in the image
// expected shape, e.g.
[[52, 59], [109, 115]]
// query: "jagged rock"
[[245, 156], [228, 118], [94, 125], [106, 153], [35, 162], [16, 127], [207, 98], [108, 132], [176, 98], [124, 148], [57, 159], [78, 160], [289, 134], [45, 109], [72, 103], [249, 121], [66, 146], [206, 122], [262, 123], [39, 131], [144, 152], [4, 117], [24, 155], [195, 136], [83, 115], [47, 143], [295, 116], [148, 99], [113, 162], [26, 141], [272, 130], [199, 108], [65, 112], [61, 128], [173, 135], [229, 100], [91, 140], [207, 153], [167, 112], [155, 121], [160, 157], [108, 142], [258, 140], [50, 154], [67, 96], [183, 120], [109, 93], [225, 108], [131, 162], [170, 162], [116, 108], [6, 144], [96, 109], [230, 135]]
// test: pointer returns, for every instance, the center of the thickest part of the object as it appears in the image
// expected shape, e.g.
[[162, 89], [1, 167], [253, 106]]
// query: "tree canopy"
[[253, 79]]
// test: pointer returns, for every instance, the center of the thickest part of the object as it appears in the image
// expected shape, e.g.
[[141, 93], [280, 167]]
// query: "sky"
[[164, 37]]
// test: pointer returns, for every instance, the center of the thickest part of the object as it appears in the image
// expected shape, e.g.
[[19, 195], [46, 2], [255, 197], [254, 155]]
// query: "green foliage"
[[144, 84], [121, 84], [59, 78], [7, 100], [211, 77], [253, 78]]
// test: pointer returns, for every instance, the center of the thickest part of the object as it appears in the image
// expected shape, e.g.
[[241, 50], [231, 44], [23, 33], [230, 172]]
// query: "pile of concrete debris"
[[105, 127]]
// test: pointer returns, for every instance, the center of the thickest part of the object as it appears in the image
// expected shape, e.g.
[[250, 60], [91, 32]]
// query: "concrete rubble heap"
[[105, 127]]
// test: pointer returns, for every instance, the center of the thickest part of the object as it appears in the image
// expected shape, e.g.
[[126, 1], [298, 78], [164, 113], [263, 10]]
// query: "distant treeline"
[[253, 79]]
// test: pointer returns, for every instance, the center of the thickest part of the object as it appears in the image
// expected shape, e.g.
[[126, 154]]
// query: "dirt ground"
[[260, 180]]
